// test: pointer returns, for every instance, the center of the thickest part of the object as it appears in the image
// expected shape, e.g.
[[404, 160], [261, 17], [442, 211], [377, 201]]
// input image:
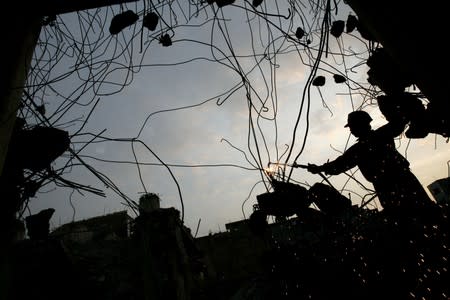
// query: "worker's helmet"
[[357, 118]]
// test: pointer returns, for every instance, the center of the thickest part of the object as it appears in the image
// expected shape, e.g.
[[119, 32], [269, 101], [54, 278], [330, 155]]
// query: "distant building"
[[115, 226], [241, 225], [440, 189]]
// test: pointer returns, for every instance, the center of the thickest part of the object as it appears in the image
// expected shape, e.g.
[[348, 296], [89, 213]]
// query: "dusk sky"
[[171, 103]]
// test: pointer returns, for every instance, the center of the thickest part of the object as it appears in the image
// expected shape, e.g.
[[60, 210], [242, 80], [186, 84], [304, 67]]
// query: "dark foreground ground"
[[361, 255]]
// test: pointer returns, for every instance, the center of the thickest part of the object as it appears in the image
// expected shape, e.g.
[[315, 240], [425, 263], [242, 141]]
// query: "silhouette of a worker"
[[397, 188]]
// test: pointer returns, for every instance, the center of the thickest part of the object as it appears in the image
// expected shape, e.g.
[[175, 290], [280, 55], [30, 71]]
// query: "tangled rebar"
[[84, 58]]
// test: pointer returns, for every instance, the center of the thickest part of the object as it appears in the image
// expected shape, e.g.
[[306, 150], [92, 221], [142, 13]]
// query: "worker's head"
[[358, 122]]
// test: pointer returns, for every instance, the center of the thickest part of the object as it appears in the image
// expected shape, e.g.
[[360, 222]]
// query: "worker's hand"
[[312, 168], [296, 165]]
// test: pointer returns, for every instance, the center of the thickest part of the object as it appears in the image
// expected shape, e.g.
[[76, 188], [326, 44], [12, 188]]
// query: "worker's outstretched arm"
[[312, 168], [341, 164]]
